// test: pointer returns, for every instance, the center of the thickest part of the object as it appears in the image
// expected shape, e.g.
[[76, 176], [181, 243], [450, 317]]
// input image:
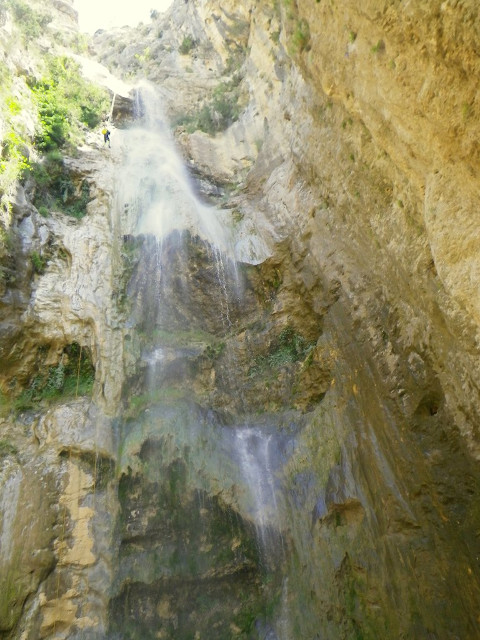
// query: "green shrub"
[[73, 376], [55, 188], [289, 347], [219, 112], [39, 263], [66, 102], [301, 36], [379, 47], [13, 107], [78, 43], [14, 164], [275, 36], [31, 23], [7, 449], [188, 43]]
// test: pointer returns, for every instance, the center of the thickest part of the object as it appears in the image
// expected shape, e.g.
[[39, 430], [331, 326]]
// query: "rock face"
[[284, 445], [343, 158]]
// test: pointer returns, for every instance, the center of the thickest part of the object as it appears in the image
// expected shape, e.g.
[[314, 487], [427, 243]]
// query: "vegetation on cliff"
[[66, 104], [45, 107]]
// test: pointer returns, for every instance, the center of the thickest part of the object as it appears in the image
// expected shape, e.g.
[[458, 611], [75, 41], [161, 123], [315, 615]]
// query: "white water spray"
[[255, 458], [155, 190]]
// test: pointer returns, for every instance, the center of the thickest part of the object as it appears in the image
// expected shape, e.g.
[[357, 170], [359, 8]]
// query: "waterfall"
[[154, 186], [210, 489], [258, 459]]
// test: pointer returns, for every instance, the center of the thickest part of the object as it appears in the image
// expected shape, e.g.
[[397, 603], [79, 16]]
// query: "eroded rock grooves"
[[282, 436]]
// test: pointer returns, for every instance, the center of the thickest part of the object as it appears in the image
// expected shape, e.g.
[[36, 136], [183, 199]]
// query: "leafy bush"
[[56, 189], [31, 23], [14, 159], [219, 112], [39, 263], [73, 376], [289, 347], [301, 36], [275, 36], [187, 45], [66, 101], [13, 167], [7, 449]]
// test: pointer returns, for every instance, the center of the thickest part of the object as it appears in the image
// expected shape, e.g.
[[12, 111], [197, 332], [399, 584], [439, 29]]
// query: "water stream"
[[258, 462], [185, 286], [155, 189]]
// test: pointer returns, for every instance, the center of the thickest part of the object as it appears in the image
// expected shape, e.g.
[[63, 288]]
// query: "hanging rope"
[[110, 115], [78, 370]]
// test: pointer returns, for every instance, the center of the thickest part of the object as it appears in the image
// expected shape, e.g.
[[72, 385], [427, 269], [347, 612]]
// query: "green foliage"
[[225, 102], [39, 263], [79, 371], [219, 112], [214, 351], [290, 7], [5, 404], [14, 146], [13, 164], [188, 43], [300, 38], [78, 43], [7, 251], [275, 36], [31, 23], [7, 449], [66, 103], [13, 107], [145, 56], [166, 395], [379, 47], [288, 348], [73, 376], [237, 216], [55, 188], [245, 619]]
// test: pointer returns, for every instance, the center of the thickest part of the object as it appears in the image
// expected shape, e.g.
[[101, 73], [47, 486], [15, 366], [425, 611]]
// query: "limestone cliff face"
[[342, 143], [58, 313], [354, 156]]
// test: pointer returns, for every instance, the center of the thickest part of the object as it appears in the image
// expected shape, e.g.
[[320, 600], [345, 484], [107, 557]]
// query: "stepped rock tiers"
[[239, 381]]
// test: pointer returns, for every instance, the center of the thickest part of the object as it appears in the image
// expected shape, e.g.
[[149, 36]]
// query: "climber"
[[106, 136]]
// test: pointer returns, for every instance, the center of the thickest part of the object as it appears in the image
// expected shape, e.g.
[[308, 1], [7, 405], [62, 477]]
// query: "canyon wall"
[[341, 140]]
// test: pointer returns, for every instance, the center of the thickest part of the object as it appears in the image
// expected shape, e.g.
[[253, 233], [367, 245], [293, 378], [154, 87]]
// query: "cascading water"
[[155, 187], [194, 492], [257, 461]]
